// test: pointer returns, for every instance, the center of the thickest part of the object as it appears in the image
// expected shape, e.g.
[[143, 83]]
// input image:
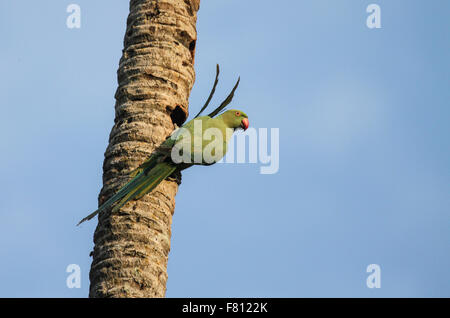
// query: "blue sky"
[[364, 176]]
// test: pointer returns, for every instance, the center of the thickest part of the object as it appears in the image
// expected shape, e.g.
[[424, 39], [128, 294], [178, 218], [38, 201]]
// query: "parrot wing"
[[160, 153], [152, 178], [212, 92], [226, 101]]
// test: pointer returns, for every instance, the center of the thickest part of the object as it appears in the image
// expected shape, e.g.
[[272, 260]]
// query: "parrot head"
[[236, 119]]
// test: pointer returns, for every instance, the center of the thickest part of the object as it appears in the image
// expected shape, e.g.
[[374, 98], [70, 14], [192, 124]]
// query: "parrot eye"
[[238, 114]]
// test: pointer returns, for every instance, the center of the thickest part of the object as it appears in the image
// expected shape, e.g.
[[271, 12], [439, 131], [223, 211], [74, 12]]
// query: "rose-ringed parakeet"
[[191, 137]]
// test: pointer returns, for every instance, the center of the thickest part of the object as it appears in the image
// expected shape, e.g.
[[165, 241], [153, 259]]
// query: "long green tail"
[[136, 188]]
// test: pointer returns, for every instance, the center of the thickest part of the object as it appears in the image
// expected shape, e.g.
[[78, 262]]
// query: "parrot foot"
[[176, 176]]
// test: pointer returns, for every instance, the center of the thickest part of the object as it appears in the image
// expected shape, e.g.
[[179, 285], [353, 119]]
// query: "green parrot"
[[192, 139]]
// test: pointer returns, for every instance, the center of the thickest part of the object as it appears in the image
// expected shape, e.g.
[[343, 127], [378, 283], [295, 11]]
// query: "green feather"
[[151, 181], [140, 185], [120, 194]]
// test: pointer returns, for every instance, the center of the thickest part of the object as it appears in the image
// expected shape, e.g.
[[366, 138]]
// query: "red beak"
[[245, 123]]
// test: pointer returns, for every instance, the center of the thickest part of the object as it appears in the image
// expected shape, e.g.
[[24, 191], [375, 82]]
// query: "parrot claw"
[[176, 176]]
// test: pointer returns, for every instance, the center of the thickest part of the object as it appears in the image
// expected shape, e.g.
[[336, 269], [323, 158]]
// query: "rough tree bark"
[[155, 75]]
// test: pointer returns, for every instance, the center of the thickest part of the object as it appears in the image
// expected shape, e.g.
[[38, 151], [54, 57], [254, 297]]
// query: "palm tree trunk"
[[156, 74]]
